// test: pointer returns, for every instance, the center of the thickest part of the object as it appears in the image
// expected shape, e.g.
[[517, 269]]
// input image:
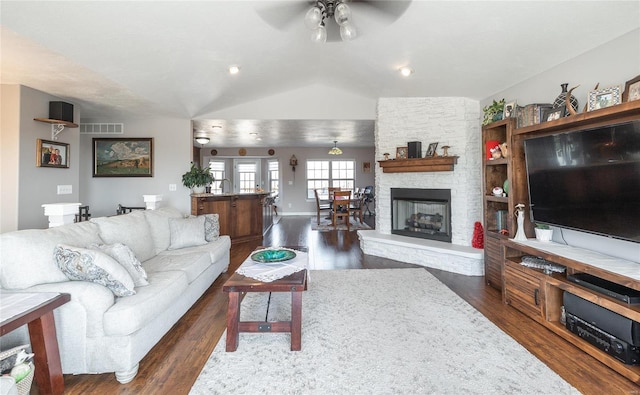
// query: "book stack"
[[531, 114]]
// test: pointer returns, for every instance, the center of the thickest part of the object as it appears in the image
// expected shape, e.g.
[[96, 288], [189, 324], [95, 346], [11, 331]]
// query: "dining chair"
[[356, 207], [341, 203], [320, 206]]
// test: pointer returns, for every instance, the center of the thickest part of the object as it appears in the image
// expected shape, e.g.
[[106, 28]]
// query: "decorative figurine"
[[445, 150], [386, 156], [520, 236]]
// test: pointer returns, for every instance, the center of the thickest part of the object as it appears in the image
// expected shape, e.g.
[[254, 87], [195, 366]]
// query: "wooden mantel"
[[438, 163]]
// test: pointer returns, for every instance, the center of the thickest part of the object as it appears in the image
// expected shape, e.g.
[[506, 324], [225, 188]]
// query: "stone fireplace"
[[423, 213], [449, 121]]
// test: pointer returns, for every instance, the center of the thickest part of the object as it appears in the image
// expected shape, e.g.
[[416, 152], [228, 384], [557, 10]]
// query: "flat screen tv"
[[587, 180]]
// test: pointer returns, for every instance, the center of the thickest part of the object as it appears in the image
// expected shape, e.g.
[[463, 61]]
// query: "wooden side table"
[[295, 283], [36, 310]]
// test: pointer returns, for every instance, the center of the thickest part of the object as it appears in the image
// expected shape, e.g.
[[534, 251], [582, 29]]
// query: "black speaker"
[[415, 149], [61, 111]]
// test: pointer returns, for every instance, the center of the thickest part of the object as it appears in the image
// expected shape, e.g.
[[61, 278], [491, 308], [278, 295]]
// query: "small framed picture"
[[553, 114], [431, 151], [603, 98], [123, 157], [366, 167], [631, 90], [509, 110], [402, 152], [52, 154]]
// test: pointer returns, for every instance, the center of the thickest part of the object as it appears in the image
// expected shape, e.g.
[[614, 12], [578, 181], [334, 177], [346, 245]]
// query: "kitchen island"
[[241, 214]]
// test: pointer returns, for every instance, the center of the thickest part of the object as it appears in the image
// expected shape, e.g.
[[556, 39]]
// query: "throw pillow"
[[211, 227], [90, 265], [186, 232], [127, 259]]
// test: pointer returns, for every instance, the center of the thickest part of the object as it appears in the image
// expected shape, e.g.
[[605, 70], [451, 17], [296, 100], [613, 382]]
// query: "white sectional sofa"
[[100, 332]]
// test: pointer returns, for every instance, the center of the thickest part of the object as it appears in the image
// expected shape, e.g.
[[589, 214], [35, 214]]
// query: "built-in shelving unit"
[[438, 163]]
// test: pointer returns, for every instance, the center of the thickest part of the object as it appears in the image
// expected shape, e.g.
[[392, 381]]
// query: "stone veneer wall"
[[452, 121]]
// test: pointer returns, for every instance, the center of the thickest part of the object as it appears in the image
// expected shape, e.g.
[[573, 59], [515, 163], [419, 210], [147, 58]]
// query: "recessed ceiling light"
[[234, 69], [406, 71], [216, 127]]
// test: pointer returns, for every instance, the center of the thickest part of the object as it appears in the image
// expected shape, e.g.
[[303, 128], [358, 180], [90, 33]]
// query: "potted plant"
[[197, 178], [543, 233], [493, 112]]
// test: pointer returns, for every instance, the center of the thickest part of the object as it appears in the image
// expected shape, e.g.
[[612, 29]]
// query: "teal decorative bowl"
[[273, 255]]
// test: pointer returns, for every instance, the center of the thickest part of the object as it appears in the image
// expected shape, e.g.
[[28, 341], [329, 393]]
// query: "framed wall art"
[[631, 90], [52, 154], [402, 152], [123, 157], [431, 151], [366, 167], [553, 114], [603, 98]]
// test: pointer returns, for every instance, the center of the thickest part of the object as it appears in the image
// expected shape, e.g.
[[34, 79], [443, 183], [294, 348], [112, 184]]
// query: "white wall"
[[611, 64], [9, 141], [172, 150]]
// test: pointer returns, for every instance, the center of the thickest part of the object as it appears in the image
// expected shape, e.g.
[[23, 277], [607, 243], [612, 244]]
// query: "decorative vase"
[[520, 235], [561, 99], [544, 235], [197, 189]]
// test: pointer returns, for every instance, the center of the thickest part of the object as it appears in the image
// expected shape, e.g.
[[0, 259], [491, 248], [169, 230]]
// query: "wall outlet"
[[65, 190], [172, 187]]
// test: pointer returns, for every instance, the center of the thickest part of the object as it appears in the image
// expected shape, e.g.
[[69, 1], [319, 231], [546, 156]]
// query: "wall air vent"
[[101, 128]]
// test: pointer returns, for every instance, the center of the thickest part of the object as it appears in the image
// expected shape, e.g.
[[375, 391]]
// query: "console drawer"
[[523, 291]]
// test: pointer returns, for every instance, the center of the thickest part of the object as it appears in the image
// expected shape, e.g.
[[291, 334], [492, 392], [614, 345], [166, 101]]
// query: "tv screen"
[[587, 180]]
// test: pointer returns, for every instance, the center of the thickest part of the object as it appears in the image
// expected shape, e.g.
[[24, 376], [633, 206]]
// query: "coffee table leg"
[[44, 345], [296, 320], [233, 321]]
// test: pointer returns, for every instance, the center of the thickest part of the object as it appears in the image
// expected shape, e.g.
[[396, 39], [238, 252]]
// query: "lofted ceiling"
[[171, 58]]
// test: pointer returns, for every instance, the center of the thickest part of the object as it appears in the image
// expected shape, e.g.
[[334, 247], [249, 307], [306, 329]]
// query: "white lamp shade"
[[319, 35], [348, 32], [313, 18]]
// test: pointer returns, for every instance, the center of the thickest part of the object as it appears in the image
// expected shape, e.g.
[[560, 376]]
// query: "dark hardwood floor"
[[173, 365]]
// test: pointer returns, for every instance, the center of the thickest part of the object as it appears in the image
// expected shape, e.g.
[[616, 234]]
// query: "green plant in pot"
[[493, 112], [543, 233], [197, 178]]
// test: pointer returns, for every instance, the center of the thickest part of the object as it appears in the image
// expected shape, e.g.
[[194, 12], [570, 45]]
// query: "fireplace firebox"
[[423, 213]]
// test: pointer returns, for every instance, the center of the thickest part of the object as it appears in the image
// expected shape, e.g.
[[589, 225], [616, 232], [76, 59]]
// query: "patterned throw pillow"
[[127, 259], [186, 232], [211, 227], [90, 265]]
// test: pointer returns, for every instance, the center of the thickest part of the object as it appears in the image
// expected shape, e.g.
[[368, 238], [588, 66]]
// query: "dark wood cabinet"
[[240, 215]]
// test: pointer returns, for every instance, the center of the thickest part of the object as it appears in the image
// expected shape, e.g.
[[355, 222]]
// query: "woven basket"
[[24, 385]]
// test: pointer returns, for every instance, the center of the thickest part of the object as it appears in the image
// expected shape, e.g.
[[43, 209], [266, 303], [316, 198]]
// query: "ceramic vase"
[[561, 99]]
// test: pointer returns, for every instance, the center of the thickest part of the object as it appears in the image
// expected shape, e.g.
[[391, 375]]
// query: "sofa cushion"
[[128, 315], [127, 259], [211, 227], [159, 223], [190, 261], [217, 250], [129, 229], [26, 256], [186, 232], [90, 265]]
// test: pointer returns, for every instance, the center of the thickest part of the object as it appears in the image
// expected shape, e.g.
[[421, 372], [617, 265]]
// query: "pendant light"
[[335, 150]]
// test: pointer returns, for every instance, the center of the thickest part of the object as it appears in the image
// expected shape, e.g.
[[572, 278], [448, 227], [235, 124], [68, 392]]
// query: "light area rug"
[[379, 331], [325, 225]]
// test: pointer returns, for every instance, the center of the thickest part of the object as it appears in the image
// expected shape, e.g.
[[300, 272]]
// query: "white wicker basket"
[[24, 385]]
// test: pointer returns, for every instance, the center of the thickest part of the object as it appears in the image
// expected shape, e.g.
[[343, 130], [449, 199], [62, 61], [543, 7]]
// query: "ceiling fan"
[[329, 14]]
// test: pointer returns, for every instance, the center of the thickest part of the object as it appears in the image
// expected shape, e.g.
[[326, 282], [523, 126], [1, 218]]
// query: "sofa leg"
[[127, 375]]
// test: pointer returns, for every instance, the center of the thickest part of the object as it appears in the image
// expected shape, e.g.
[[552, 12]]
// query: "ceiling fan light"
[[313, 18], [319, 35], [342, 14], [348, 32], [202, 140]]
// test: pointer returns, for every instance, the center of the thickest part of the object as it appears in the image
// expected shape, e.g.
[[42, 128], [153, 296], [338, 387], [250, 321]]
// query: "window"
[[274, 177], [217, 169], [321, 174], [247, 177]]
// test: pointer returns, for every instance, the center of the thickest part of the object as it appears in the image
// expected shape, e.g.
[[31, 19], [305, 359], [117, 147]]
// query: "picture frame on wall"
[[431, 150], [603, 98], [123, 157], [52, 154], [631, 90], [553, 114], [402, 152], [366, 167]]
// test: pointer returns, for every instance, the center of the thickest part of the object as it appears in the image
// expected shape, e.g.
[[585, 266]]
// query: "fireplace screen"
[[424, 213]]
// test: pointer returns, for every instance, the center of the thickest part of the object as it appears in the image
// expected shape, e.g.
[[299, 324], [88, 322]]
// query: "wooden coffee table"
[[239, 285]]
